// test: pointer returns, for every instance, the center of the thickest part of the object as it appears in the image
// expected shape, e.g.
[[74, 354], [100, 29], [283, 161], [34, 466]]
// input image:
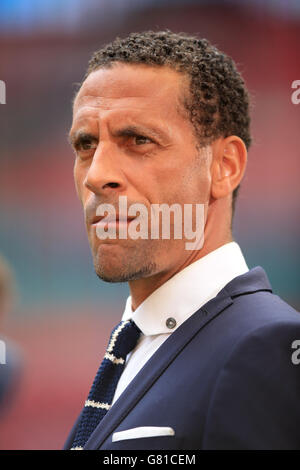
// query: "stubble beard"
[[130, 267]]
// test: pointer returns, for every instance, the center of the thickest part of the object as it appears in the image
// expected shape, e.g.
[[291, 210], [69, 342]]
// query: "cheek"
[[190, 183], [79, 176], [197, 178]]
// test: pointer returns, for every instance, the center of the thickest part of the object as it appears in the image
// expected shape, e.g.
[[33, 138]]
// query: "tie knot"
[[123, 339]]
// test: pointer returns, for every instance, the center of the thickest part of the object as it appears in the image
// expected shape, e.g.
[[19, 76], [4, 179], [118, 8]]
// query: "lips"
[[111, 219]]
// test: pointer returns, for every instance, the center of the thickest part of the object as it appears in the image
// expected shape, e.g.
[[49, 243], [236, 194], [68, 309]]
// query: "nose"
[[105, 173]]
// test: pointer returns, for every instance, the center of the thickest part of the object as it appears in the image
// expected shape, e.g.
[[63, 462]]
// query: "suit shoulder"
[[255, 402], [266, 308], [272, 326]]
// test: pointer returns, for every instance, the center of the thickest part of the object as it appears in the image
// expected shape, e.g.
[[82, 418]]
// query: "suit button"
[[171, 323]]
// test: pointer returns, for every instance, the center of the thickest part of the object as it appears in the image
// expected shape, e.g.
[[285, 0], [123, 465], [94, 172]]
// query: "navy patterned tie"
[[123, 339]]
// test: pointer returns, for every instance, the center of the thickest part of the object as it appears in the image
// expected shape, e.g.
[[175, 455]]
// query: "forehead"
[[130, 87]]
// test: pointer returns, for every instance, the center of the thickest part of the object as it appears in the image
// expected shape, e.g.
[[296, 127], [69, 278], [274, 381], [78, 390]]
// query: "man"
[[163, 118], [11, 362]]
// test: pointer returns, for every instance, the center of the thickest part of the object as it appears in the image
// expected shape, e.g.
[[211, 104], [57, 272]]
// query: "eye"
[[142, 140], [85, 144]]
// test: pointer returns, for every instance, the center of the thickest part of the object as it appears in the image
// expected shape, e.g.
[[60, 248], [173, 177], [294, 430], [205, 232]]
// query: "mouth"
[[99, 220]]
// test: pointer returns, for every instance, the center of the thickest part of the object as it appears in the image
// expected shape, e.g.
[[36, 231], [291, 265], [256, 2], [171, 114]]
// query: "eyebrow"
[[75, 137], [131, 131], [127, 131]]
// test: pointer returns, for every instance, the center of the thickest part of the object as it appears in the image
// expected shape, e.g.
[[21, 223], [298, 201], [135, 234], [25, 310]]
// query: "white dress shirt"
[[177, 299]]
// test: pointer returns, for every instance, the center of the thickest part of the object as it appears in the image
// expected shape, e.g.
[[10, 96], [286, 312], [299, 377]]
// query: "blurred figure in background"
[[10, 357]]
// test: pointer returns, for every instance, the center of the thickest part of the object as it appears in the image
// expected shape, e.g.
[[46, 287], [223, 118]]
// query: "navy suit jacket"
[[224, 379]]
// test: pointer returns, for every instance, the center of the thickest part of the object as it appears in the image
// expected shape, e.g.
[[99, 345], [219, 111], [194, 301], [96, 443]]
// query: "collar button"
[[171, 323]]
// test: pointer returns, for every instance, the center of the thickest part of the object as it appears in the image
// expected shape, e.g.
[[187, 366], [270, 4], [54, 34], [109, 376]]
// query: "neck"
[[142, 288]]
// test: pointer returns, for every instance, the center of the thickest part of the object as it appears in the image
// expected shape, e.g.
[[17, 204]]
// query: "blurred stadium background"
[[63, 314]]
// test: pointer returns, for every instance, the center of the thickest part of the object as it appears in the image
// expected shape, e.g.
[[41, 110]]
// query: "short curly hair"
[[218, 104]]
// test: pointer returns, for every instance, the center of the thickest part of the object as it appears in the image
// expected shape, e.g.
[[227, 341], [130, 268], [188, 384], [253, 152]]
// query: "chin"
[[123, 262], [123, 273]]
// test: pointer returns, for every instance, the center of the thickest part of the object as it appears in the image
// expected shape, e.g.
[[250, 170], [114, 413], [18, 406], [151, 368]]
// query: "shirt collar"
[[187, 291]]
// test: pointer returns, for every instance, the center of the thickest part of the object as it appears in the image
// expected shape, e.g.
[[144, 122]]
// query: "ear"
[[228, 165]]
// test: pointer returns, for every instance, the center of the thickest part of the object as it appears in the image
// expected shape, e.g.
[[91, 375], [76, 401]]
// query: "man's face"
[[132, 138]]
